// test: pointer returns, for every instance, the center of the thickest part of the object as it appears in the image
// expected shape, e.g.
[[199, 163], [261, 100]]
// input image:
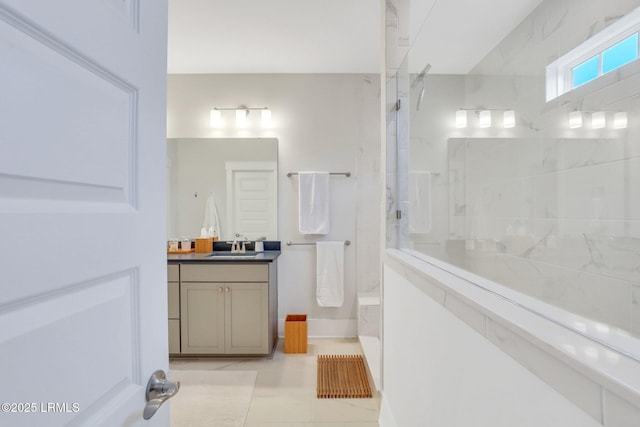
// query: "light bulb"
[[215, 119], [598, 120], [509, 119], [620, 120], [575, 119], [266, 118], [241, 118], [485, 119], [461, 119]]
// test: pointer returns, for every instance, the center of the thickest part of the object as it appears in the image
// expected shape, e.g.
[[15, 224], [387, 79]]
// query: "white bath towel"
[[330, 273], [313, 202], [211, 219], [419, 202]]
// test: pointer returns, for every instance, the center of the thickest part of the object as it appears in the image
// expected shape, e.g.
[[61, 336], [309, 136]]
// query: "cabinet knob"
[[227, 289], [220, 289]]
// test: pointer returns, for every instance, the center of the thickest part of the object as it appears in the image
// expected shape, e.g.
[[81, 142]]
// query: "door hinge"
[[398, 103], [398, 214]]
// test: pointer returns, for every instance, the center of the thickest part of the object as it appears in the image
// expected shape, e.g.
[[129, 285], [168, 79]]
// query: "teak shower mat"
[[342, 376]]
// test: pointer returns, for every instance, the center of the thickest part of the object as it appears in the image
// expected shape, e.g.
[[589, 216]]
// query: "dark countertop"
[[266, 256]]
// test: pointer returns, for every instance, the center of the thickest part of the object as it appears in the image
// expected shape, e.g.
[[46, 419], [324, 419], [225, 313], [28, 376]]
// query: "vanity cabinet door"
[[247, 318], [173, 293], [173, 302], [202, 322], [174, 336]]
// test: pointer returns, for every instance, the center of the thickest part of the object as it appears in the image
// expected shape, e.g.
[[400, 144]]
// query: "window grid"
[[584, 72]]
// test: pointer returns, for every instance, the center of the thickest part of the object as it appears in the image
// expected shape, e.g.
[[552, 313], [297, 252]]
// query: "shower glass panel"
[[549, 211]]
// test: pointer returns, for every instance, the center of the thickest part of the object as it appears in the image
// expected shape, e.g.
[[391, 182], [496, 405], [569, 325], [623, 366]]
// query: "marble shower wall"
[[550, 211]]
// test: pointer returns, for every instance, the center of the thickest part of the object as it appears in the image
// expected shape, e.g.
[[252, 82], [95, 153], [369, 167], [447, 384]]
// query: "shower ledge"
[[369, 299]]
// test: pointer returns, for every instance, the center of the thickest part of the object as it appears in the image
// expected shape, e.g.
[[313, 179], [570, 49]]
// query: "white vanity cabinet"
[[227, 308]]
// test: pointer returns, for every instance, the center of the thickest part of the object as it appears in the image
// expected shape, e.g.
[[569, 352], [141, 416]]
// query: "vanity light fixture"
[[485, 119], [242, 116], [575, 119]]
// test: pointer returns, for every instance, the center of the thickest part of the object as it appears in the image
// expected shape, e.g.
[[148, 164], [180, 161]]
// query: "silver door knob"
[[159, 389]]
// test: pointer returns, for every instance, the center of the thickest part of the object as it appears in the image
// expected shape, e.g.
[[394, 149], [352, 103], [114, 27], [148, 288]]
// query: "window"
[[606, 51], [585, 72], [619, 54]]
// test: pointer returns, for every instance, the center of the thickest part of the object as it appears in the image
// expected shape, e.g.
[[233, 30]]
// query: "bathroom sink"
[[229, 255]]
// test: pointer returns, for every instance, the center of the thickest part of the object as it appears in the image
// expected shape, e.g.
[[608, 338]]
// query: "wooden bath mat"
[[342, 376]]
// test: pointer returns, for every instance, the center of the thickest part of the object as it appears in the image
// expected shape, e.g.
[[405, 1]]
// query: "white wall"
[[322, 122], [440, 372]]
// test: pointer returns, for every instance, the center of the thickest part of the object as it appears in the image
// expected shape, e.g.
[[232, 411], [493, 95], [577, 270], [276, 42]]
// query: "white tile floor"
[[284, 393]]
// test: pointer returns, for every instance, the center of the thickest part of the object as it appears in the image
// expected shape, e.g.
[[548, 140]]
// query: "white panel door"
[[252, 199], [83, 301]]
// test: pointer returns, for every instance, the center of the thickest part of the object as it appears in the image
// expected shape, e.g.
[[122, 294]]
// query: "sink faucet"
[[236, 244]]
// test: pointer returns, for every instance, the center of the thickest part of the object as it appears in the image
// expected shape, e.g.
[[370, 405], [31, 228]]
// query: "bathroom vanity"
[[222, 304]]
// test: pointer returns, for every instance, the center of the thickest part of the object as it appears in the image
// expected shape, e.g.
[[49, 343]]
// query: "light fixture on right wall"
[[620, 120], [599, 119], [485, 117]]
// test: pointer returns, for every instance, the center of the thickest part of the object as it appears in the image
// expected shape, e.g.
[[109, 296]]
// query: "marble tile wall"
[[551, 211]]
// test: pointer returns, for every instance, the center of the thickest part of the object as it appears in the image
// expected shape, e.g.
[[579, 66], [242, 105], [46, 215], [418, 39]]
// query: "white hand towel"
[[211, 216], [330, 274], [313, 202], [419, 202]]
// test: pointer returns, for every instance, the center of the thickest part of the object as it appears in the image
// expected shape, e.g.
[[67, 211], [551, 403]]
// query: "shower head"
[[420, 79], [424, 71], [420, 76]]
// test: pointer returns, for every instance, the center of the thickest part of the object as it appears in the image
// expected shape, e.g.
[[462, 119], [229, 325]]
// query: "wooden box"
[[295, 333], [204, 244]]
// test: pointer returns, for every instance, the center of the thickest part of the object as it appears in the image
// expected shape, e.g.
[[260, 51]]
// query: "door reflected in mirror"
[[238, 176]]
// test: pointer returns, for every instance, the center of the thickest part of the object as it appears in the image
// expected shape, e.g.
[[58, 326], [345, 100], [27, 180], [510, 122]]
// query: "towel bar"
[[347, 174], [290, 243]]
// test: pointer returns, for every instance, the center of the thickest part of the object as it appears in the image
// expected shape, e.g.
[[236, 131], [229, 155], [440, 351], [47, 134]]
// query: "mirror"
[[239, 175]]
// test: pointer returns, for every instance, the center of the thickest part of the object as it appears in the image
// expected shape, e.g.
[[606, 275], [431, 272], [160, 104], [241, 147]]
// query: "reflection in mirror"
[[238, 175]]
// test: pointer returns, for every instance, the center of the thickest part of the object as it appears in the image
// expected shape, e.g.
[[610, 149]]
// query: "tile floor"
[[284, 393]]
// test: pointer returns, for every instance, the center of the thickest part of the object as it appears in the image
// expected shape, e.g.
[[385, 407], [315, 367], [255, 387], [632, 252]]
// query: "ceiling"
[[331, 36]]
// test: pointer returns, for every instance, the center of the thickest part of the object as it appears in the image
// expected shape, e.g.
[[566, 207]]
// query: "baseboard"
[[371, 349], [327, 328], [386, 417]]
